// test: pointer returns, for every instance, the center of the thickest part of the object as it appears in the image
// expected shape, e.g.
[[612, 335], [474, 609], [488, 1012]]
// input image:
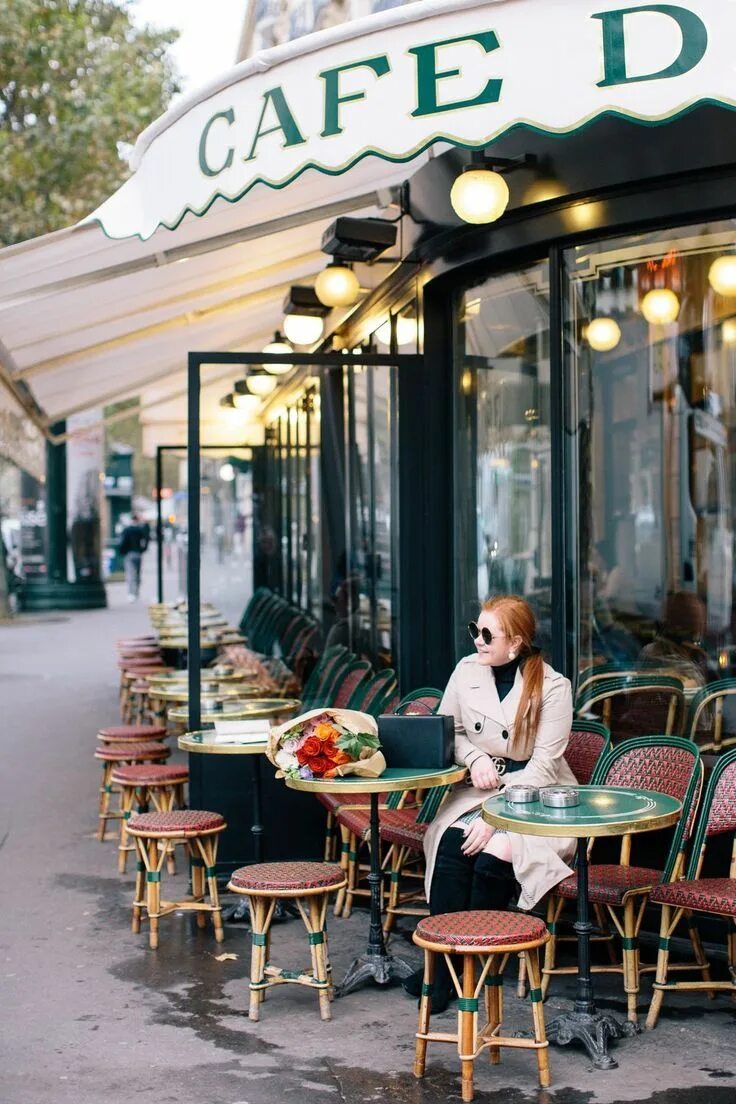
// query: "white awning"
[[250, 170], [392, 84]]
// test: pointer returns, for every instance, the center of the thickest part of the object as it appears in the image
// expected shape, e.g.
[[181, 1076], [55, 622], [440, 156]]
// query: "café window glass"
[[502, 448], [650, 340]]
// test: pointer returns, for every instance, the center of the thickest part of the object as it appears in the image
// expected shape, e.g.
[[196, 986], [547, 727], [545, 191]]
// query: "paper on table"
[[241, 732]]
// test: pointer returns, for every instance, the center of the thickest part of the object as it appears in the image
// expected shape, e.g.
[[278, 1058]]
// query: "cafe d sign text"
[[457, 73]]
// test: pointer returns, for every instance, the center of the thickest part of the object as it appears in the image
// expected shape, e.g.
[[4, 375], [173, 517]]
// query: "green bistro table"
[[376, 963], [208, 676], [237, 709], [601, 811]]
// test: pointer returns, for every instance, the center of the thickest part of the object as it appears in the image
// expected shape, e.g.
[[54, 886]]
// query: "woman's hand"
[[477, 835], [484, 775]]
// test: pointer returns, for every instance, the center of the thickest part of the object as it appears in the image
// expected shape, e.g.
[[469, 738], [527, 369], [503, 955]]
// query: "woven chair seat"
[[702, 894], [481, 929], [149, 774], [128, 753], [287, 877], [177, 822], [142, 733], [400, 826], [609, 884], [132, 641], [334, 801], [357, 821]]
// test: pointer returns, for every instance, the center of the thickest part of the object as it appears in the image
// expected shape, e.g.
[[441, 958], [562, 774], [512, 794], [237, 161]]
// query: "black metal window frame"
[[195, 361]]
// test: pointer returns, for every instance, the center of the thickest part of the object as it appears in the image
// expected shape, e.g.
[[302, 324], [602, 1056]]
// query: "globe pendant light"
[[260, 383], [276, 347], [243, 399], [479, 196], [660, 306], [722, 275], [406, 331], [303, 329], [728, 332], [603, 334], [337, 285]]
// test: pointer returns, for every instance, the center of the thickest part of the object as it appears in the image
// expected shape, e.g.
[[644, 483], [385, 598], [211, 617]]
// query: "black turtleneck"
[[505, 676]]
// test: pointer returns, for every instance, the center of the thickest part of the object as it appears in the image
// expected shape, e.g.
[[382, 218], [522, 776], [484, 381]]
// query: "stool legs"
[[261, 914], [494, 1005], [467, 1026], [317, 946], [152, 853], [425, 1006], [540, 1034]]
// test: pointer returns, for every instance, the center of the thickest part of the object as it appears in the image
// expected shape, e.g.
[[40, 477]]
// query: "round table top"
[[393, 778], [255, 710], [174, 679], [180, 693], [181, 643], [202, 743], [602, 811]]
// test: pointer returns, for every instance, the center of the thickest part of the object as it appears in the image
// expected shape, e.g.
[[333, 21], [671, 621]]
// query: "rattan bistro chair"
[[488, 938], [694, 895], [664, 764], [644, 705], [705, 717]]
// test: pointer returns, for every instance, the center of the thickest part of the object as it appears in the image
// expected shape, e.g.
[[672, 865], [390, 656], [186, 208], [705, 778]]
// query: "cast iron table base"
[[585, 1024], [375, 964]]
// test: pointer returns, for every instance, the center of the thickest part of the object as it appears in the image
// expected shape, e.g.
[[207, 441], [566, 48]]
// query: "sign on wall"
[[395, 83]]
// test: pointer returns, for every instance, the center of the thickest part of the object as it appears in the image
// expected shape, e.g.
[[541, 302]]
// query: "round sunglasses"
[[487, 635]]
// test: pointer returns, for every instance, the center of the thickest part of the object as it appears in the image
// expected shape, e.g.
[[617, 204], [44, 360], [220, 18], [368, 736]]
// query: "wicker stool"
[[489, 937], [153, 832], [114, 755], [144, 784], [131, 733], [310, 884]]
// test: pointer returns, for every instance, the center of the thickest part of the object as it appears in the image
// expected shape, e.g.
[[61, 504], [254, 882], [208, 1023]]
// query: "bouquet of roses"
[[325, 743]]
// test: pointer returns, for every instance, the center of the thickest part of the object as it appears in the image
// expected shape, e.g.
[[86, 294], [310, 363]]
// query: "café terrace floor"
[[89, 1014]]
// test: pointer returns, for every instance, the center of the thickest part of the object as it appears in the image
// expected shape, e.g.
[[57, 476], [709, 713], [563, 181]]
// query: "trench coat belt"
[[505, 766]]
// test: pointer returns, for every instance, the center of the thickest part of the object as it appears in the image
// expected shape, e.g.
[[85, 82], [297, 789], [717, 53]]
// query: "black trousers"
[[461, 882]]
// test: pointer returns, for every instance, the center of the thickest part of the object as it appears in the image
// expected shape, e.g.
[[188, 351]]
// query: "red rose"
[[308, 750], [319, 765]]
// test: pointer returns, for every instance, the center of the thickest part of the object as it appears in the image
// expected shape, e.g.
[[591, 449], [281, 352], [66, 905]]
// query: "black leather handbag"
[[418, 741]]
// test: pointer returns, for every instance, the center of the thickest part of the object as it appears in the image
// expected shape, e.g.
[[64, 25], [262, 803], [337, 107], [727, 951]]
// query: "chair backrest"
[[705, 716], [718, 812], [353, 679], [665, 764], [260, 595], [642, 705], [589, 741], [374, 695], [321, 671], [425, 700], [624, 670]]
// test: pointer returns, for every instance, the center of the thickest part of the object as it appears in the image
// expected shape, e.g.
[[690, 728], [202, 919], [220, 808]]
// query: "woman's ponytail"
[[517, 620]]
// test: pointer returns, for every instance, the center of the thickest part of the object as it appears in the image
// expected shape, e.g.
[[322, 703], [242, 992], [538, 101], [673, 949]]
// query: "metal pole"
[[193, 542], [159, 525]]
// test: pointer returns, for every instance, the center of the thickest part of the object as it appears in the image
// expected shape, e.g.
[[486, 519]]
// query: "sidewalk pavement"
[[90, 1015]]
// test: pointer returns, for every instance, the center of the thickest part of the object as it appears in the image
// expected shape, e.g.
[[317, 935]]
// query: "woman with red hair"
[[513, 714]]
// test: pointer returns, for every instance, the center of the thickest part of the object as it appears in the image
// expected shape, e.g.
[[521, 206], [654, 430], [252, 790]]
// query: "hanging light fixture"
[[660, 306], [337, 285], [276, 347], [243, 399], [722, 275], [479, 195], [406, 331], [227, 473], [260, 383], [304, 316], [603, 334], [728, 332]]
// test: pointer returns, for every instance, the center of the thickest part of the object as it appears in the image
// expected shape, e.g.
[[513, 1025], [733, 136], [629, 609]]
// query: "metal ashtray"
[[521, 795], [559, 797]]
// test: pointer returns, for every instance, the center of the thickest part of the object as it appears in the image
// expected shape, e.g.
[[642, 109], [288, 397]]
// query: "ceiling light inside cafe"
[[722, 275], [603, 334], [406, 331], [260, 383], [660, 306]]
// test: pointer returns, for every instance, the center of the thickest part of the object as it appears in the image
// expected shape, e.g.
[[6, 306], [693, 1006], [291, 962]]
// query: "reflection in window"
[[502, 442], [652, 343]]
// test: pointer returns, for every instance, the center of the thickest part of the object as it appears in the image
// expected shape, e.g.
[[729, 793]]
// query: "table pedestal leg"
[[585, 1024], [375, 963]]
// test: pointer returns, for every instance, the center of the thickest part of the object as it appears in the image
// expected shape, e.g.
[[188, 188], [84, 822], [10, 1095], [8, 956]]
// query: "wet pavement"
[[91, 1014]]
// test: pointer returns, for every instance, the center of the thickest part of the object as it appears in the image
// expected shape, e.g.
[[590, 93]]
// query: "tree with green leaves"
[[77, 81]]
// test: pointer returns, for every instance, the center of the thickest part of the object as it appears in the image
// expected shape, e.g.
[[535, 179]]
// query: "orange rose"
[[308, 750], [325, 731], [341, 758]]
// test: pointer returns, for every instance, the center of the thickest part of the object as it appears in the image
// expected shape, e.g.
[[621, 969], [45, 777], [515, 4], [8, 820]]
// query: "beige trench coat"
[[539, 862]]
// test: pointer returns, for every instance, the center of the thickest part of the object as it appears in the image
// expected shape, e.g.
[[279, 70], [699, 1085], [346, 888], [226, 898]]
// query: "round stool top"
[[139, 732], [287, 876], [178, 822], [481, 929], [149, 774], [126, 753]]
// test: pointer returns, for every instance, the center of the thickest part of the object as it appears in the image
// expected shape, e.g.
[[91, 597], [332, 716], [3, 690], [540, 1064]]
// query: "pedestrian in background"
[[133, 543]]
